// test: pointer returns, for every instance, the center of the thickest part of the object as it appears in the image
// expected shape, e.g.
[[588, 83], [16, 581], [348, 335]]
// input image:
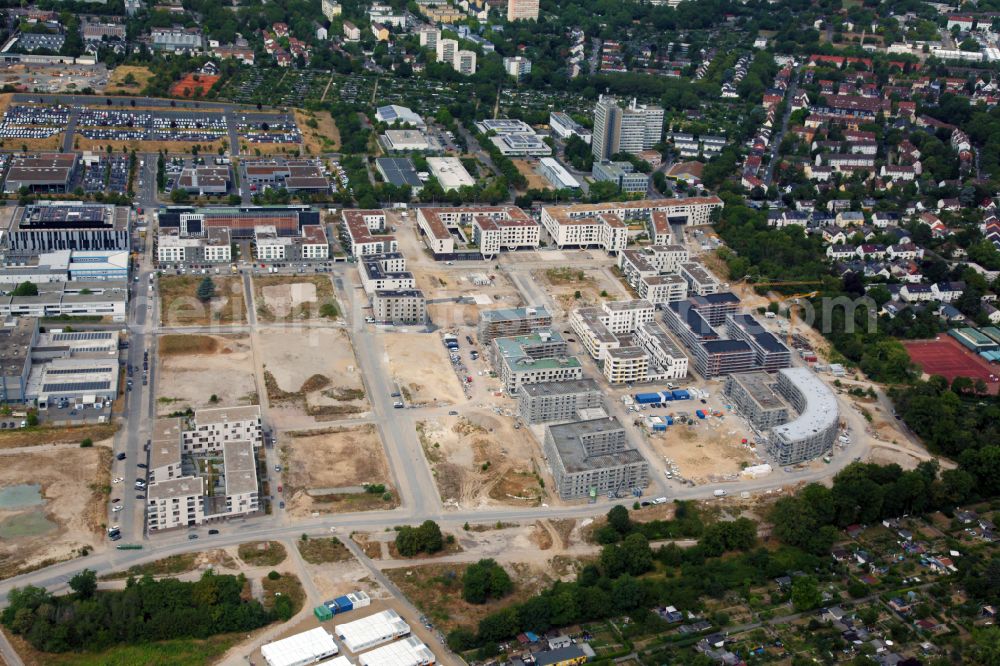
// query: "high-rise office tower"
[[633, 129]]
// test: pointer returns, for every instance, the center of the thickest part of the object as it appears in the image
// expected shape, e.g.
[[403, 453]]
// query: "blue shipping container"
[[670, 420], [700, 414], [681, 394], [666, 396], [344, 604], [647, 398], [659, 427]]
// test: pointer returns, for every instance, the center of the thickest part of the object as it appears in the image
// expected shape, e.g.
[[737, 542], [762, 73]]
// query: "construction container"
[[323, 613], [659, 427], [647, 398], [669, 420], [666, 396], [700, 414], [680, 394]]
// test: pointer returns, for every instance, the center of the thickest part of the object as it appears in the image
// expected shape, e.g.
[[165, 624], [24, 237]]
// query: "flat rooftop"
[[560, 388], [759, 386], [15, 345], [226, 414], [514, 314], [165, 448], [185, 486], [241, 468], [820, 411], [573, 454]]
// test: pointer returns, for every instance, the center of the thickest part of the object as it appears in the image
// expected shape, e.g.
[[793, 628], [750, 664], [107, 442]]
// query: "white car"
[[118, 480], [116, 509]]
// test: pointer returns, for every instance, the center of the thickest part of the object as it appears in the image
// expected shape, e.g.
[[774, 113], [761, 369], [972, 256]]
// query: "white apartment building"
[[493, 235], [175, 503], [364, 232], [429, 36], [402, 306], [700, 281], [597, 328], [218, 253], [270, 249], [625, 365], [447, 50], [559, 220], [216, 426], [665, 355], [604, 230], [465, 62]]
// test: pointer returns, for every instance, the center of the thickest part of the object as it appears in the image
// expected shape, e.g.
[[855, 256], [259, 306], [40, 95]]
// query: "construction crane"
[[791, 313]]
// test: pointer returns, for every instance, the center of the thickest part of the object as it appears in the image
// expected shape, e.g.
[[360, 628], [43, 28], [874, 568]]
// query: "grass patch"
[[41, 435], [287, 585], [566, 276], [178, 345], [262, 553], [175, 564], [323, 550], [140, 76], [164, 653], [180, 307]]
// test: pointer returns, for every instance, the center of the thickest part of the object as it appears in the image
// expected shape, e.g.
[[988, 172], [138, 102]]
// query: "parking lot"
[[107, 174], [22, 121], [269, 128], [140, 125]]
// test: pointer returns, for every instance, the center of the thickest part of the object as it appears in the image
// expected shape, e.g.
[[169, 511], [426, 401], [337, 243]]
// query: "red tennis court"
[[948, 358]]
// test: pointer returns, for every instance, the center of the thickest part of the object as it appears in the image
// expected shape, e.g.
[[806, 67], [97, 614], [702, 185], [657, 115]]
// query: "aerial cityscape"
[[499, 332]]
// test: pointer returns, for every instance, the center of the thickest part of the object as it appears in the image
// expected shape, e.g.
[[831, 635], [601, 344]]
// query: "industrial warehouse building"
[[371, 631], [812, 433], [301, 649], [410, 651], [592, 457], [80, 366], [48, 226], [558, 401]]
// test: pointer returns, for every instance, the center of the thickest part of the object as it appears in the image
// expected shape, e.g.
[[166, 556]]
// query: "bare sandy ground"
[[419, 363], [190, 380], [707, 452], [284, 298], [329, 459], [479, 459], [71, 480]]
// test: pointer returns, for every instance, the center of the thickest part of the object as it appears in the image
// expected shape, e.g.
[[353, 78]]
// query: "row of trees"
[[425, 538], [146, 610]]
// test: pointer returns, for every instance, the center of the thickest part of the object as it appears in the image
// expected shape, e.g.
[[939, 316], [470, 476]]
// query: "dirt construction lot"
[[294, 298], [563, 283], [438, 282], [324, 137], [179, 305], [710, 451], [479, 459], [419, 364], [311, 376], [193, 368], [536, 181], [71, 515], [325, 469]]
